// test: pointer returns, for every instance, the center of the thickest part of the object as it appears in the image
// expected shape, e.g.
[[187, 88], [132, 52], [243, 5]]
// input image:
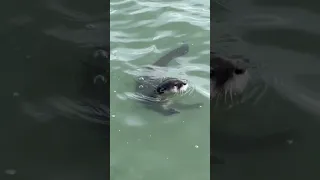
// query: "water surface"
[[280, 38], [42, 46], [145, 144]]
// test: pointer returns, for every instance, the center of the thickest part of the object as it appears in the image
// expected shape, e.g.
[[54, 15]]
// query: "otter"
[[157, 91], [227, 77]]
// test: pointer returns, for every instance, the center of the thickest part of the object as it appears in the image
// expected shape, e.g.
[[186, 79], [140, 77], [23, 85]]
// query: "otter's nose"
[[239, 71], [184, 81]]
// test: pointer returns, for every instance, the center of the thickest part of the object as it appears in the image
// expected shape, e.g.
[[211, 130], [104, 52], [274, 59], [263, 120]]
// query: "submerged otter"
[[227, 77], [157, 91]]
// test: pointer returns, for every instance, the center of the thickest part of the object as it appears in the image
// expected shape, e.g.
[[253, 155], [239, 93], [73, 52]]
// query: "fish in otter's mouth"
[[227, 77]]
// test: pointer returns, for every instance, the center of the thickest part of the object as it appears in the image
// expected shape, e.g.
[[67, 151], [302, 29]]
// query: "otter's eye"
[[239, 71]]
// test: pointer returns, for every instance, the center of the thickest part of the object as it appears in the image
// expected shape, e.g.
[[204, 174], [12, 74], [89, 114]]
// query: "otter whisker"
[[225, 96], [231, 96], [188, 92], [217, 99], [191, 91], [231, 93]]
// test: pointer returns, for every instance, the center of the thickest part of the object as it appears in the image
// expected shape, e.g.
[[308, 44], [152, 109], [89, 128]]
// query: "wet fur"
[[222, 71], [156, 87], [227, 77]]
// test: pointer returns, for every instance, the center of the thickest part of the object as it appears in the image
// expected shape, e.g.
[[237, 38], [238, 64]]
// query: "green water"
[[43, 43], [145, 144]]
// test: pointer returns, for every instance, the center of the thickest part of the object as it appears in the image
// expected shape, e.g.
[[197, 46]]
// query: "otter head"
[[228, 77], [171, 86]]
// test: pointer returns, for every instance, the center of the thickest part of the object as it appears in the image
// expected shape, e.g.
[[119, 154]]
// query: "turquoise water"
[[145, 144]]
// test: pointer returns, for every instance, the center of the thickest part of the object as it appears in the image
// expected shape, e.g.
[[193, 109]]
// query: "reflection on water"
[[278, 131]]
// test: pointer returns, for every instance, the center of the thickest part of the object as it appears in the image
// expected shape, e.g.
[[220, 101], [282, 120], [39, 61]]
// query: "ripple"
[[142, 32], [58, 6]]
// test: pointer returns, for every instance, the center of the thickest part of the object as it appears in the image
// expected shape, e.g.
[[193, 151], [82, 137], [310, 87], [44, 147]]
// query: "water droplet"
[[113, 116], [196, 146], [119, 130]]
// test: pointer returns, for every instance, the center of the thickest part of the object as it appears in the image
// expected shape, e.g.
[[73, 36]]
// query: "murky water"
[[280, 39], [53, 50], [44, 133]]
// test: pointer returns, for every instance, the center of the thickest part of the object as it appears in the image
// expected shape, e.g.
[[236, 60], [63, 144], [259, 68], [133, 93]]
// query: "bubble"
[[196, 146], [141, 86], [99, 77]]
